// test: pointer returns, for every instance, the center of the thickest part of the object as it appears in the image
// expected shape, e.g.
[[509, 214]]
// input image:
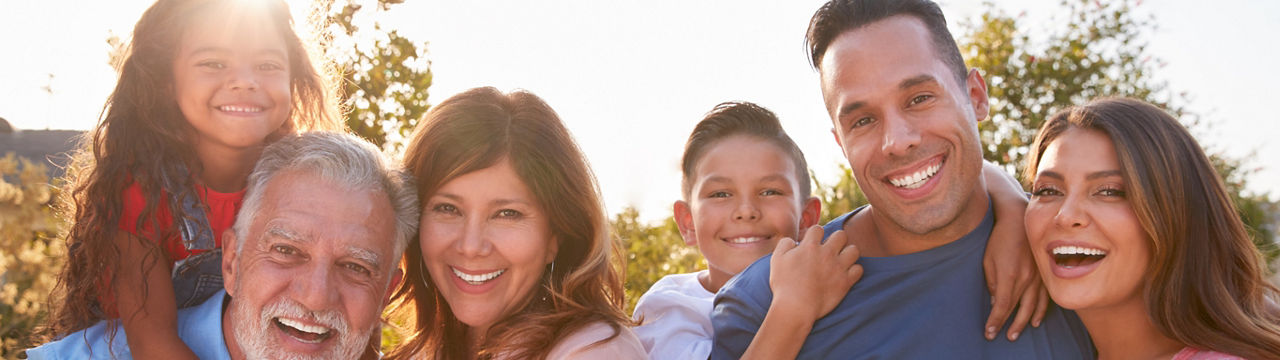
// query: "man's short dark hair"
[[740, 118], [838, 16]]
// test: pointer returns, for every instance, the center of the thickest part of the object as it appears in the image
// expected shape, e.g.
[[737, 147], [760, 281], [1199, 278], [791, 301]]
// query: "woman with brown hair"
[[515, 260], [1132, 228]]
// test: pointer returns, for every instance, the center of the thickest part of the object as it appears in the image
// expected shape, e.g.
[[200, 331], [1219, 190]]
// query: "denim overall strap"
[[199, 276], [197, 234]]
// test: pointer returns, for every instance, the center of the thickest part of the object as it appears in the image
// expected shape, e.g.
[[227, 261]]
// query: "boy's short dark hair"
[[838, 16], [740, 118]]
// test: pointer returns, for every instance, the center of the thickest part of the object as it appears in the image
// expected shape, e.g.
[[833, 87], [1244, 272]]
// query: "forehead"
[[497, 183], [234, 26], [326, 214], [880, 55], [745, 158], [1080, 151]]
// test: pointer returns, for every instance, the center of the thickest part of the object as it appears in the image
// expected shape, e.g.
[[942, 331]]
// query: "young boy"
[[746, 187]]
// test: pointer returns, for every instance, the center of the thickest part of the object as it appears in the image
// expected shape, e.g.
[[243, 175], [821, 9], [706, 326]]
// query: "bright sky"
[[630, 79]]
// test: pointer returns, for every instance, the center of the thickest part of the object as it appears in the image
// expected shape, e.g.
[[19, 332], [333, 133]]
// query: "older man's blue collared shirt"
[[200, 327]]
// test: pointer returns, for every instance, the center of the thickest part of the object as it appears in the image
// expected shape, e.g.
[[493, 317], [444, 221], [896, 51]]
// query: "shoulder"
[[94, 342], [1190, 353], [674, 290], [593, 342], [752, 280]]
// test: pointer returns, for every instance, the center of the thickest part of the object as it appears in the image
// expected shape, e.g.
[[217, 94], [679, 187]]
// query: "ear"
[[229, 241], [553, 248], [836, 135], [684, 221], [810, 213], [396, 278], [978, 95]]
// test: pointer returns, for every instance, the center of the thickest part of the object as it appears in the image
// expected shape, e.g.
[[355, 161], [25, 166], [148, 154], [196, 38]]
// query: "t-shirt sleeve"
[[740, 307], [673, 328]]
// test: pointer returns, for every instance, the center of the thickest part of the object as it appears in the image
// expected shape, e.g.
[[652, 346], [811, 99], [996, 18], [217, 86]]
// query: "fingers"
[[849, 254], [1000, 309], [1026, 307], [855, 274], [784, 245], [1042, 304], [814, 234]]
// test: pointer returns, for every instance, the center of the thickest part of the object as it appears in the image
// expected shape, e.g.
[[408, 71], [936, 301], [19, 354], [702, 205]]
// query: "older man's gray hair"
[[343, 159]]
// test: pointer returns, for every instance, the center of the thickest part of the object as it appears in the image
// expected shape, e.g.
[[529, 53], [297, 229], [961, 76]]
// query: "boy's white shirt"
[[677, 318]]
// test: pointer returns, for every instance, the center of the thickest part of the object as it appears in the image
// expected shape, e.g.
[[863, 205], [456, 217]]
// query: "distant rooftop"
[[48, 147]]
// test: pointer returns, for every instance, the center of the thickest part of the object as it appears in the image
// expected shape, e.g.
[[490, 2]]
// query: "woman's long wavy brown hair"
[[143, 134], [475, 130], [1207, 284]]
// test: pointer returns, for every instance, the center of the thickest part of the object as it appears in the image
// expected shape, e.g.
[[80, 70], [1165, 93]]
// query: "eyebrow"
[[457, 198], [365, 255], [275, 230], [218, 49], [1091, 176], [721, 178], [905, 84]]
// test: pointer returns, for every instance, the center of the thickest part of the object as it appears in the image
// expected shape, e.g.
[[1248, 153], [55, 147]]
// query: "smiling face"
[[907, 126], [231, 81], [1087, 242], [314, 273], [486, 243], [744, 197]]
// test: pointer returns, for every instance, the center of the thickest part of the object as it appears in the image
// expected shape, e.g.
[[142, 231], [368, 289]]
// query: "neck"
[[474, 338], [1126, 332], [226, 169], [712, 280], [233, 348], [880, 236]]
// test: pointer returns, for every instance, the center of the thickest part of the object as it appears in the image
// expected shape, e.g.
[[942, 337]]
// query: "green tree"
[[1097, 51], [31, 250], [840, 197], [384, 82], [653, 251]]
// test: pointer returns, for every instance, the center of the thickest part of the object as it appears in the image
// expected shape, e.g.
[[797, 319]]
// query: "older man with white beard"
[[308, 266]]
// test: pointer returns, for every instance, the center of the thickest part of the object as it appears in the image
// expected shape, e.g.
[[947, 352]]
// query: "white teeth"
[[744, 240], [476, 279], [917, 179], [1076, 250], [231, 108], [318, 330]]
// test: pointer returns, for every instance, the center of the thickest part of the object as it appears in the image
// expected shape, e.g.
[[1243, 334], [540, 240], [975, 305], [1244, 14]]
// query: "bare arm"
[[1009, 268], [809, 279], [145, 300]]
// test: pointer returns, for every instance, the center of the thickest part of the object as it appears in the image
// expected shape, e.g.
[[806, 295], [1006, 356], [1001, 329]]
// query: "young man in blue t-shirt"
[[905, 112]]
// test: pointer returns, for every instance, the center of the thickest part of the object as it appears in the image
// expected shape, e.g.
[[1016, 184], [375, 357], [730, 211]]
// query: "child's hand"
[[811, 277]]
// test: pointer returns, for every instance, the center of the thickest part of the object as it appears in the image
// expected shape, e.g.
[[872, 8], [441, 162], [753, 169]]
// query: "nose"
[[315, 290], [900, 134], [1071, 214], [473, 241], [746, 210], [243, 78]]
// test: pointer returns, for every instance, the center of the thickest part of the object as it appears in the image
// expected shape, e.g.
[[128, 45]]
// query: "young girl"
[[205, 85]]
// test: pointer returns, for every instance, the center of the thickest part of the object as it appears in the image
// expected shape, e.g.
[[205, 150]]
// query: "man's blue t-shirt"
[[931, 304]]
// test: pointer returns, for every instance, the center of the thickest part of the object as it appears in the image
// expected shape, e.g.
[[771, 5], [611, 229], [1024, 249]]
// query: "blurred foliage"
[[385, 76], [653, 251], [31, 250], [1096, 51]]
